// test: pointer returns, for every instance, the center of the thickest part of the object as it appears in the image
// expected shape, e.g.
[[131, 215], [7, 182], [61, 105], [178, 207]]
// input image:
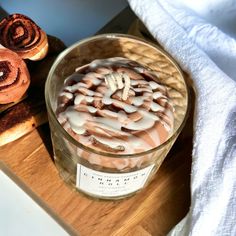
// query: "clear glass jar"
[[108, 175]]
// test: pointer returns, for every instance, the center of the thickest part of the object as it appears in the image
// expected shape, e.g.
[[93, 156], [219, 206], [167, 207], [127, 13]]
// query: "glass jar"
[[101, 174]]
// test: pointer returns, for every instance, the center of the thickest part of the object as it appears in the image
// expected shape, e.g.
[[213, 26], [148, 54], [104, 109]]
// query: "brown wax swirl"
[[116, 105], [22, 35], [14, 76]]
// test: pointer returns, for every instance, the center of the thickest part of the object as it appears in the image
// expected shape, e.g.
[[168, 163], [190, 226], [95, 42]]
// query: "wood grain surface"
[[153, 211]]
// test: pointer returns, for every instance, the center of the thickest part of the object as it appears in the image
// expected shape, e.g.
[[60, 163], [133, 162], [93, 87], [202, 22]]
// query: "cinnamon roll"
[[116, 105], [14, 76], [22, 35]]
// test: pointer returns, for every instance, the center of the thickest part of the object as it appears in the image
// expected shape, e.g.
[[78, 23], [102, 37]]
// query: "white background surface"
[[70, 20], [21, 216]]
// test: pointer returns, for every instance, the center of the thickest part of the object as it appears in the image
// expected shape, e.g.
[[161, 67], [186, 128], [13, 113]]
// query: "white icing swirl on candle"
[[114, 105]]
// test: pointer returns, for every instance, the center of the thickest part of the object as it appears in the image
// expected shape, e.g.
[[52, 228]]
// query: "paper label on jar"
[[110, 184]]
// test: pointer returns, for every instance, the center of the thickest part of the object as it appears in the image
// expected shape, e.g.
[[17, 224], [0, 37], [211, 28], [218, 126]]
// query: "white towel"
[[209, 57]]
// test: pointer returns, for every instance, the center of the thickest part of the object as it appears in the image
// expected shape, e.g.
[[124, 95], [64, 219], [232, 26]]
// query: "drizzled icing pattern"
[[116, 105]]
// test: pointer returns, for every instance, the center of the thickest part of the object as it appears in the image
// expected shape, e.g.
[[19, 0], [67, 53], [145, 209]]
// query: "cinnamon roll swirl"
[[14, 76], [116, 105], [22, 35]]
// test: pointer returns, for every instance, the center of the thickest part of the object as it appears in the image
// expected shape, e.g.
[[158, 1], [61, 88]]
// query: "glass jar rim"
[[65, 134]]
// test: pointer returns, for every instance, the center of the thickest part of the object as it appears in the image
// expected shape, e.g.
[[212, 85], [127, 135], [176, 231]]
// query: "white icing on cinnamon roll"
[[116, 105]]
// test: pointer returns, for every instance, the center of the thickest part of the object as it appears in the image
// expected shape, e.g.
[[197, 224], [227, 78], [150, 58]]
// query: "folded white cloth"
[[209, 57]]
